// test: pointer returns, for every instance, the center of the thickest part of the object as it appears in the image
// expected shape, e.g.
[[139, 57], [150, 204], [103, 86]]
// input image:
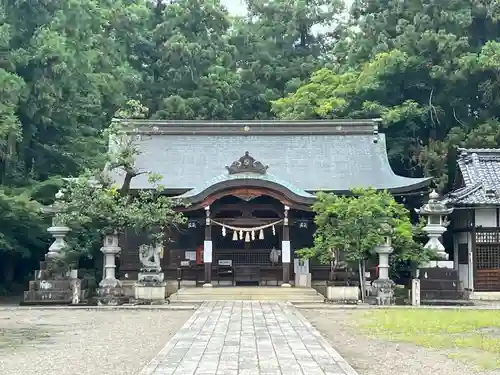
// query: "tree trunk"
[[361, 279]]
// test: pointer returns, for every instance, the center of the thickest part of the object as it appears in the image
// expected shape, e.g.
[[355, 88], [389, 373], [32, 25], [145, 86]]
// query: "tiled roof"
[[480, 169], [309, 155], [245, 177]]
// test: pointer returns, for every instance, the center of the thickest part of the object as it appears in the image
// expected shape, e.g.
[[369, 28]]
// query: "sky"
[[237, 7]]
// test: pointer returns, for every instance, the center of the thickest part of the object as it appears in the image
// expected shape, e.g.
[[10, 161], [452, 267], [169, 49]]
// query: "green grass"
[[473, 335]]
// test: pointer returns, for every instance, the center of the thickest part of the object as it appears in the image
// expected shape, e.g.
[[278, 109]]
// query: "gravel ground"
[[371, 356], [83, 342]]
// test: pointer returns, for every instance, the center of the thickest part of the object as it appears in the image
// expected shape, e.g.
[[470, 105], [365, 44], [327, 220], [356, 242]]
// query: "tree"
[[186, 62], [279, 44], [94, 207], [429, 69], [63, 74], [355, 225]]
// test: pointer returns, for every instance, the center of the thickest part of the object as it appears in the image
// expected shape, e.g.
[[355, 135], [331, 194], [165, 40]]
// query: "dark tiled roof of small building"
[[313, 156], [480, 170]]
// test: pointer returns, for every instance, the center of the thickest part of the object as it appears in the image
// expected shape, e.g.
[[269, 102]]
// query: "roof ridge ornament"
[[247, 164]]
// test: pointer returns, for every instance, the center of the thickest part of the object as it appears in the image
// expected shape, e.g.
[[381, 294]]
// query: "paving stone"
[[247, 338]]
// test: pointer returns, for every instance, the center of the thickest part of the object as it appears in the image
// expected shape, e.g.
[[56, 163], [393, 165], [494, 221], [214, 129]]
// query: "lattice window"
[[254, 257], [487, 256], [487, 237]]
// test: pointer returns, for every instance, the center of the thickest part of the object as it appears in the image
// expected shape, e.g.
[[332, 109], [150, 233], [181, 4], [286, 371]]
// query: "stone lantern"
[[57, 230], [435, 212], [383, 285], [110, 290]]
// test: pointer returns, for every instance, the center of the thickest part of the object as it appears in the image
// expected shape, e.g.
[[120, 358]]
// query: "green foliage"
[[94, 208], [356, 224], [428, 69], [20, 215]]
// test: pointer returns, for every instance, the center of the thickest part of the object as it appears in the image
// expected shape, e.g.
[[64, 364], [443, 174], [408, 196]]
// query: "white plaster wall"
[[486, 217]]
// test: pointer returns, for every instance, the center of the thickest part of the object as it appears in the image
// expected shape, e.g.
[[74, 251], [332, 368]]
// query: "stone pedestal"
[[384, 290], [149, 292], [150, 286], [54, 289], [110, 291]]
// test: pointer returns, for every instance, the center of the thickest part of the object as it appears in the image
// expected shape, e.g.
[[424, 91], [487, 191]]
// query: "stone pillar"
[[207, 250], [285, 250], [384, 286]]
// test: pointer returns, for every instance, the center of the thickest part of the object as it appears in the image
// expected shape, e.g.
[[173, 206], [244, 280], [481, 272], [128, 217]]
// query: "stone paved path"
[[247, 338]]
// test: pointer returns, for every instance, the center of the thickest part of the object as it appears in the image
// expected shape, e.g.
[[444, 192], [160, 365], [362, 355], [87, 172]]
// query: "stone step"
[[250, 296], [247, 290], [197, 295], [201, 299]]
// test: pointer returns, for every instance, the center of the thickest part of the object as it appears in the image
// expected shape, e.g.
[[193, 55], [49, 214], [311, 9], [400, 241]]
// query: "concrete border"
[[105, 308], [377, 307]]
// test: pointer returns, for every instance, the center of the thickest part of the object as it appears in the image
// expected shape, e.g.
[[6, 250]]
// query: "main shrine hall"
[[247, 189]]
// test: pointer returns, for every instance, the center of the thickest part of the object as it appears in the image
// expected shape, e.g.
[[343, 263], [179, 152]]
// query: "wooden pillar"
[[207, 250], [285, 250]]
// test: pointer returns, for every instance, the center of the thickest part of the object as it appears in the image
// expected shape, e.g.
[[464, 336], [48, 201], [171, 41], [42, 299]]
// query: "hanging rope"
[[241, 230]]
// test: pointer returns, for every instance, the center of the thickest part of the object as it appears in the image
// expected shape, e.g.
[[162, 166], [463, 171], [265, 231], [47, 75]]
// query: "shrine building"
[[249, 187], [475, 222]]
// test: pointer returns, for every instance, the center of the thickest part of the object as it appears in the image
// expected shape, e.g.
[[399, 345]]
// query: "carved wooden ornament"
[[247, 164]]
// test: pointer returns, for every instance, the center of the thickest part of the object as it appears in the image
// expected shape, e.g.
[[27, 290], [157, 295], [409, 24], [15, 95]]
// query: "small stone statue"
[[77, 286], [150, 257]]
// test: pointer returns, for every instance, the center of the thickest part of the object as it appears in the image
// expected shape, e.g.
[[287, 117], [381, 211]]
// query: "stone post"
[[384, 285], [415, 292], [285, 250], [435, 211], [207, 250], [110, 288]]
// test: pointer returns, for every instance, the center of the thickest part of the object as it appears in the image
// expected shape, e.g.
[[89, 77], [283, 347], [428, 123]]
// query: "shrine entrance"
[[247, 234], [247, 239]]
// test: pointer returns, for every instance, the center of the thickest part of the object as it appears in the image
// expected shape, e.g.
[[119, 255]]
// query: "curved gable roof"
[[333, 155]]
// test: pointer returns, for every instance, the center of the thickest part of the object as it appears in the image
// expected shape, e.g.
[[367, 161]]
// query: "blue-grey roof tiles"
[[307, 156], [480, 169]]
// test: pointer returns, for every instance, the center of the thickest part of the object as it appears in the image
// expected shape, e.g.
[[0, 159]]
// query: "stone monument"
[[110, 291], [54, 284], [302, 274], [150, 285]]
